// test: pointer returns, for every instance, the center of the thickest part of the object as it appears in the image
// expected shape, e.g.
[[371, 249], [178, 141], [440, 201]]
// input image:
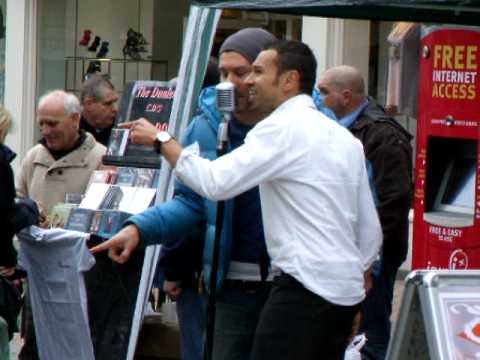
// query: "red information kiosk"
[[446, 232]]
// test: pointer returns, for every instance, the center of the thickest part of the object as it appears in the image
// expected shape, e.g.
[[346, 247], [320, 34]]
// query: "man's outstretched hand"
[[120, 246], [142, 131]]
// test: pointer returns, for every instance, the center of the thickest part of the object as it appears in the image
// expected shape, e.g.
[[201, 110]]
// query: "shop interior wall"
[[51, 39], [168, 31], [159, 21], [110, 20]]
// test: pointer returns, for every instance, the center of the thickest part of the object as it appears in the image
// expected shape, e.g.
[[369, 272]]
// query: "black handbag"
[[10, 304], [25, 213]]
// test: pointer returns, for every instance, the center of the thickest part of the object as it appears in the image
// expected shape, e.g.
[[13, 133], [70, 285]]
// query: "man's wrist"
[[161, 138], [153, 138]]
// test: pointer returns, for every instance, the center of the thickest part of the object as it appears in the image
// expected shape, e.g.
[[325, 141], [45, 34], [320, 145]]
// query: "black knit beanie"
[[247, 42]]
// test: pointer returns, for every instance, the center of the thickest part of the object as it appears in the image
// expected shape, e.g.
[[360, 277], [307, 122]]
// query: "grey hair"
[[94, 87], [69, 100], [5, 123]]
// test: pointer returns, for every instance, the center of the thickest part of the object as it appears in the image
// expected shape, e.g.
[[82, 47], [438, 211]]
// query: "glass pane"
[[460, 189]]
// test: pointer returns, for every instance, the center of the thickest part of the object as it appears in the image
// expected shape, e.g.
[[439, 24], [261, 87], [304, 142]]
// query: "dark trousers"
[[376, 311], [238, 308], [29, 350], [298, 324]]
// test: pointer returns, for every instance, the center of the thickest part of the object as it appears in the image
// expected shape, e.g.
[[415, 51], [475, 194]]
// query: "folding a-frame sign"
[[203, 19], [439, 317]]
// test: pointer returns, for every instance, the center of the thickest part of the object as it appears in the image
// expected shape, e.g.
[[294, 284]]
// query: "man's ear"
[[291, 81], [347, 97], [76, 119]]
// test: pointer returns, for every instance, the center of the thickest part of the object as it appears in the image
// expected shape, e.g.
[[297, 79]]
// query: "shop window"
[[126, 40]]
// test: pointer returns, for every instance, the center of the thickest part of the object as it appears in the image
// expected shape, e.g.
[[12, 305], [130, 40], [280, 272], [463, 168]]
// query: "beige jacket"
[[47, 181]]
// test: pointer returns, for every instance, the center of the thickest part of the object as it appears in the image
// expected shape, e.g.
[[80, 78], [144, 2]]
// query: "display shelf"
[[76, 69]]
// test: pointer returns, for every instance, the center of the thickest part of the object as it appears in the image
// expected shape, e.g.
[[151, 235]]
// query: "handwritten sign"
[[151, 100]]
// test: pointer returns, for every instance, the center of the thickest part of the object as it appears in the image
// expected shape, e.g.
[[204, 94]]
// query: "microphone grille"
[[225, 97]]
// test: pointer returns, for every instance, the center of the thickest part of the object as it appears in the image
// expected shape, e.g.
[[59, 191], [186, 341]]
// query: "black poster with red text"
[[151, 100]]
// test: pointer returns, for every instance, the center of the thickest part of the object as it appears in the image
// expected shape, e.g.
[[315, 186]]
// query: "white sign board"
[[439, 317]]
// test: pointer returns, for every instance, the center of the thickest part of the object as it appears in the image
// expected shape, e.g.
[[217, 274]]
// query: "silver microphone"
[[226, 99], [226, 102]]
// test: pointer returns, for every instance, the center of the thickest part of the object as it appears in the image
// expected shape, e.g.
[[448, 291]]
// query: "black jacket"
[[102, 136], [8, 256], [15, 214], [388, 150]]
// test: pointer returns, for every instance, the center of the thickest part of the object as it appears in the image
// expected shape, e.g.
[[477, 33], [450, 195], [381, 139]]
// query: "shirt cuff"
[[188, 152]]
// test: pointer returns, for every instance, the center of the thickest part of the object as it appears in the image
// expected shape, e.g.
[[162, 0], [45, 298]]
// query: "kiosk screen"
[[457, 191]]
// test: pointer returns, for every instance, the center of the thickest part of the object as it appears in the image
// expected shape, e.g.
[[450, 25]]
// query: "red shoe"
[[86, 38]]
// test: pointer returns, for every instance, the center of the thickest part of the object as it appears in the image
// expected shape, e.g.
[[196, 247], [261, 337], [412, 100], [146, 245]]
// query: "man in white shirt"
[[321, 227]]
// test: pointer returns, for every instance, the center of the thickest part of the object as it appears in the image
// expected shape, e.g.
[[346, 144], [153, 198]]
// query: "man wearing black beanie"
[[247, 42]]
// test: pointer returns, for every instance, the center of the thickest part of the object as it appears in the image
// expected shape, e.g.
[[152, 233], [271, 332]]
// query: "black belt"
[[247, 286]]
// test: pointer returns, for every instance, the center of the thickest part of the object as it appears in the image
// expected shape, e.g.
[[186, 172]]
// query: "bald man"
[[60, 163], [64, 158], [389, 164]]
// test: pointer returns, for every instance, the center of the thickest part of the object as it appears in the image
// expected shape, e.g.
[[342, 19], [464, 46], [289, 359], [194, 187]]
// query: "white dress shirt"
[[320, 222]]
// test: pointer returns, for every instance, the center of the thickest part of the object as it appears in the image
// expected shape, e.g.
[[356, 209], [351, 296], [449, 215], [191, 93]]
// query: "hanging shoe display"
[[93, 68], [134, 45], [86, 38], [93, 47], [102, 53]]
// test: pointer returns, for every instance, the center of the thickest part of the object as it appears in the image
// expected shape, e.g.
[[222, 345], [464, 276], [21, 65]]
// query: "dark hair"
[[295, 55], [94, 86], [212, 75]]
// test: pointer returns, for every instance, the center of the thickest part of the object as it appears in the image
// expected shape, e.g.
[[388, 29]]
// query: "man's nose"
[[45, 130], [249, 79], [231, 77]]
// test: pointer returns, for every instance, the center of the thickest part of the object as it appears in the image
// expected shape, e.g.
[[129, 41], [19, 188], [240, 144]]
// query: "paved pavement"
[[397, 298]]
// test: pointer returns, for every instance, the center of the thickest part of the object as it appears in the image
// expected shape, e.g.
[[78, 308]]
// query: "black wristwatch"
[[162, 137]]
